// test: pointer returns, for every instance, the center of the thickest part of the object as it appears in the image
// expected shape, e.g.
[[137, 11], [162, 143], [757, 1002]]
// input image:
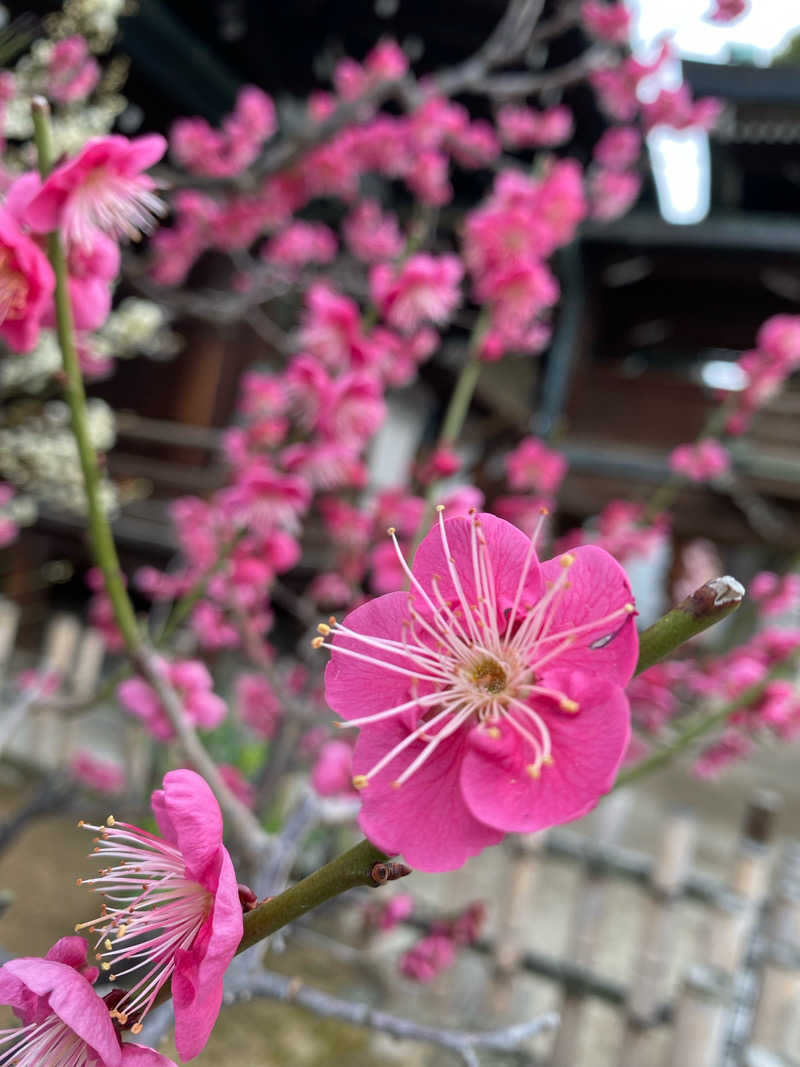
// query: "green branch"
[[104, 550], [705, 607], [351, 869]]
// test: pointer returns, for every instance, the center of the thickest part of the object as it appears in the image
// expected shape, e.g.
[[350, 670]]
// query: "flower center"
[[488, 676], [13, 288]]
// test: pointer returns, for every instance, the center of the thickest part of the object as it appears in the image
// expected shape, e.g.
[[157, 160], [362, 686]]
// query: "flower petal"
[[199, 971], [425, 818], [598, 586], [141, 1056], [188, 816], [73, 1000], [509, 552], [353, 687], [588, 748]]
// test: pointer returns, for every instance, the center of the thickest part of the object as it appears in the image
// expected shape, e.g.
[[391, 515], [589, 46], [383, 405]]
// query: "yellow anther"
[[110, 820], [318, 642], [360, 781], [567, 560], [568, 705], [396, 785], [80, 824], [136, 1028], [106, 966], [122, 930], [440, 507], [543, 510], [391, 531], [548, 760], [533, 770], [108, 944], [494, 733], [112, 978], [323, 628], [630, 608], [332, 620]]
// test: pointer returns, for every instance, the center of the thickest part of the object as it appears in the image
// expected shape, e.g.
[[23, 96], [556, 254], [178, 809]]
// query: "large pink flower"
[[491, 697], [102, 188], [65, 1023], [172, 909]]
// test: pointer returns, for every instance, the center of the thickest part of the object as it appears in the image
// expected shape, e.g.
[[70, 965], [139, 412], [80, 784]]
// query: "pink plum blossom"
[[532, 465], [72, 71], [728, 10], [226, 152], [612, 192], [102, 775], [618, 148], [428, 958], [243, 790], [609, 22], [675, 108], [371, 234], [102, 188], [301, 243], [490, 697], [699, 462], [64, 1021], [332, 774], [775, 594], [194, 685], [424, 288], [172, 904], [523, 127], [26, 285], [258, 704]]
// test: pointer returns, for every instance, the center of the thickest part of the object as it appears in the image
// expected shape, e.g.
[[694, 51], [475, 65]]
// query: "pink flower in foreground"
[[172, 908], [699, 462], [490, 697], [64, 1022], [102, 188]]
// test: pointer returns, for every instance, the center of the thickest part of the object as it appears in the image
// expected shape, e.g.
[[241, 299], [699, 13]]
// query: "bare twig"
[[463, 1043]]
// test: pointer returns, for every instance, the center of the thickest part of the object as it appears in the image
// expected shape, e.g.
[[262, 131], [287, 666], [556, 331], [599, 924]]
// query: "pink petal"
[[141, 1056], [588, 748], [74, 1001], [508, 550], [425, 818], [199, 972], [188, 815], [354, 688], [598, 586]]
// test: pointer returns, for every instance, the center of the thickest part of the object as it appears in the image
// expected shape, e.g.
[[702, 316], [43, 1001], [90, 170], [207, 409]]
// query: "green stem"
[[708, 605], [684, 740], [105, 552], [351, 869]]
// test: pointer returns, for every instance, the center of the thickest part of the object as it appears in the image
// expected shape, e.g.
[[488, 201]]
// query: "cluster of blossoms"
[[766, 367]]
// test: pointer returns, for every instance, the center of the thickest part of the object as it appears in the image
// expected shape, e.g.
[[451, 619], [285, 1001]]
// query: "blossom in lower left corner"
[[172, 910], [64, 1022]]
